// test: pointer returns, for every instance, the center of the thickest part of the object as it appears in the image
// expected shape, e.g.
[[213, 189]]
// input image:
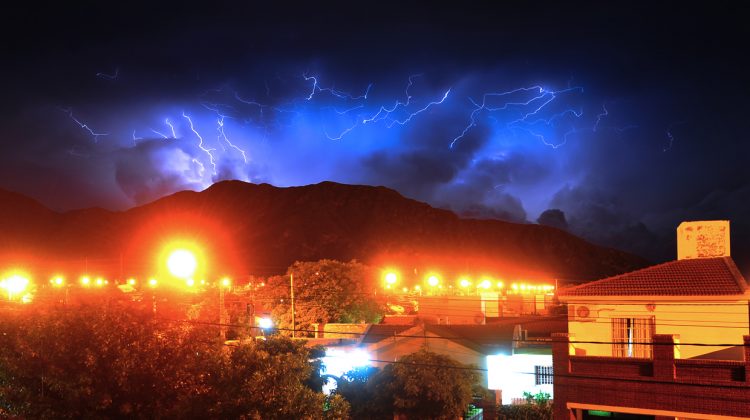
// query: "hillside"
[[260, 229]]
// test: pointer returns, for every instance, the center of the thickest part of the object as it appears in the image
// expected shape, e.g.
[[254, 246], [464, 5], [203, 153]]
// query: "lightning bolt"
[[171, 127], [106, 76], [600, 116], [222, 134], [387, 111], [539, 100], [135, 138], [332, 90], [159, 133], [343, 133], [413, 114], [200, 143], [96, 135]]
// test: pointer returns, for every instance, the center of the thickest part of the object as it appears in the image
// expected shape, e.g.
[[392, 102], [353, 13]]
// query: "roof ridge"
[[595, 282], [717, 274], [738, 277]]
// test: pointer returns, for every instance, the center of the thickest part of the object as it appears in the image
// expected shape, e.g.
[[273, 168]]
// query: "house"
[[513, 355], [668, 341]]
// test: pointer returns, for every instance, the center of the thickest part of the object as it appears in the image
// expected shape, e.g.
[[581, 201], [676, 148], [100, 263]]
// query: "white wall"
[[515, 374]]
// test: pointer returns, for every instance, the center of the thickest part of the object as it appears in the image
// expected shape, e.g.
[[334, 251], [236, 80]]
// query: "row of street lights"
[[436, 286]]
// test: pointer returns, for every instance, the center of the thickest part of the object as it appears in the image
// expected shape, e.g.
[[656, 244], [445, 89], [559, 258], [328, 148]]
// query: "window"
[[631, 337], [542, 375]]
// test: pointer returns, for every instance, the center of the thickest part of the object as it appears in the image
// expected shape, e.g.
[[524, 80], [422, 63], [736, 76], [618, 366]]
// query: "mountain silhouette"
[[259, 229]]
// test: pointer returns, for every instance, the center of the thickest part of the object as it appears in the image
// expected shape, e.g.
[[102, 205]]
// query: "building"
[[668, 341], [514, 355]]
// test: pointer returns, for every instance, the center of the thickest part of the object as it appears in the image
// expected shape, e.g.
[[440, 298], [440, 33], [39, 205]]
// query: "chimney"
[[703, 239]]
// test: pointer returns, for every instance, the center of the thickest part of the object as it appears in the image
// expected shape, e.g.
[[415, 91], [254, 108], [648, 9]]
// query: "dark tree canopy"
[[422, 385], [114, 362], [325, 291]]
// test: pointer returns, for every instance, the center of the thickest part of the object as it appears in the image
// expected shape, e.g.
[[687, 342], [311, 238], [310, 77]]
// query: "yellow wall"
[[705, 322]]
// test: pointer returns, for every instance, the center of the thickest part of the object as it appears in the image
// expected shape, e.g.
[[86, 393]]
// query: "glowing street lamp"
[[85, 281], [465, 283], [190, 282], [15, 284], [57, 281], [391, 278], [152, 283], [265, 323], [433, 280], [485, 284], [182, 263], [226, 282], [132, 281]]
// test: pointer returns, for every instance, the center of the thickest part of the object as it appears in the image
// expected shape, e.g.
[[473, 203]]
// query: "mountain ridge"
[[261, 229]]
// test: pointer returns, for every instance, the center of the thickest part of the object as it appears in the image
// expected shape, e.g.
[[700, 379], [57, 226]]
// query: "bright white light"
[[391, 278], [265, 323], [516, 374], [433, 281], [16, 284], [338, 362], [182, 263]]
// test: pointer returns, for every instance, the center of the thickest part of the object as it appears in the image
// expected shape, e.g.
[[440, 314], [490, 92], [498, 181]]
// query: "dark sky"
[[627, 118]]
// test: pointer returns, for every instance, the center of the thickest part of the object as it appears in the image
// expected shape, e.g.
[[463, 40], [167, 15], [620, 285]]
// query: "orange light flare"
[[433, 280], [15, 284], [57, 281]]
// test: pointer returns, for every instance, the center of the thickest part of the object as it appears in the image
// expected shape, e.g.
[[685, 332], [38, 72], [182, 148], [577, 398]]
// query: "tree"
[[325, 291], [422, 385], [115, 361], [266, 379], [97, 362]]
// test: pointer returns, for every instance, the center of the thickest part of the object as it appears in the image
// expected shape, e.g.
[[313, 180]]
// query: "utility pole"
[[291, 287], [222, 319]]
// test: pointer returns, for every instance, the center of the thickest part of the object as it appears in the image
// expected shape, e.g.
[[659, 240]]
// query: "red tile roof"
[[694, 277]]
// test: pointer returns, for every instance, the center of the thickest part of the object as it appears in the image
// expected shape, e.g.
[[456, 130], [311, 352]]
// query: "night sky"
[[628, 119]]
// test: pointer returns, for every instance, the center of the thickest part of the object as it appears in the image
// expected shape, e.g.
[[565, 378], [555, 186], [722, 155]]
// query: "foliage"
[[537, 407], [525, 412], [98, 362], [540, 398], [114, 362], [368, 392], [422, 385], [265, 379], [325, 291]]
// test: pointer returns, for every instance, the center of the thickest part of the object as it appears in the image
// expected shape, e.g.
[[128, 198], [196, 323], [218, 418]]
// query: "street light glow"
[[152, 282], [265, 323], [57, 281], [85, 280], [433, 280], [391, 278], [182, 263], [464, 283], [226, 282], [485, 284], [15, 284]]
